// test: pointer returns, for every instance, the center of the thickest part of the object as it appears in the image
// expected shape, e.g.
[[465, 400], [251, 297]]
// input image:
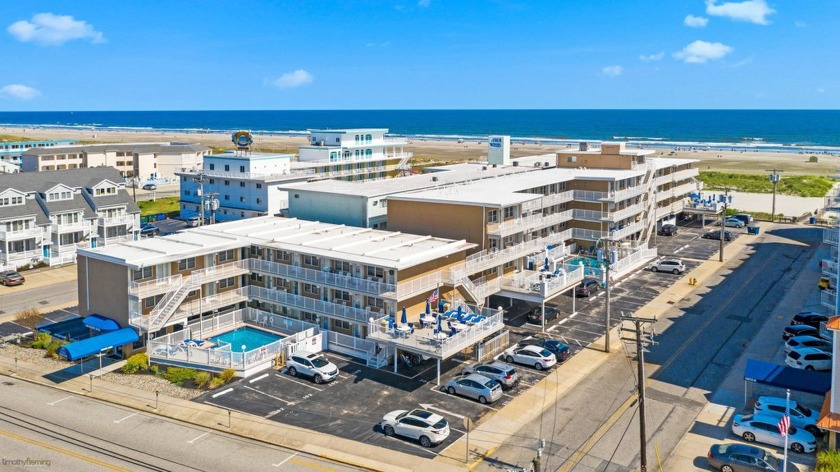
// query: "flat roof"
[[386, 249], [347, 130], [248, 156], [663, 162]]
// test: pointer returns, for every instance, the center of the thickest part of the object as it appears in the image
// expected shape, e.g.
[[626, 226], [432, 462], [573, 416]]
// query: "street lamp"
[[725, 200], [775, 178]]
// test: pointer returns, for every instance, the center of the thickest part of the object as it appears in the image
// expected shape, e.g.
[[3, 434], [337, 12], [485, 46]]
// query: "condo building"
[[47, 216], [11, 152], [145, 161]]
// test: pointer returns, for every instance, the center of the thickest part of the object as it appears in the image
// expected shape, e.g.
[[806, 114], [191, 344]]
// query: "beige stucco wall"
[[103, 289], [442, 220]]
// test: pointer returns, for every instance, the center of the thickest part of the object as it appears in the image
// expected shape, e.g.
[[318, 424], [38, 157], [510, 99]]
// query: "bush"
[[216, 382], [154, 369], [42, 340], [178, 375], [29, 317], [813, 159], [227, 375], [139, 361], [52, 348], [202, 379], [828, 461]]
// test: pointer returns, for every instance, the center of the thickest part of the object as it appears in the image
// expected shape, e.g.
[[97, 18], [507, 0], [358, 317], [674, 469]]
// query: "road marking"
[[284, 460], [227, 408], [427, 406], [258, 378], [222, 393], [312, 465], [57, 401], [127, 417], [268, 395], [561, 322], [678, 250], [553, 328], [199, 437], [474, 402], [286, 377], [60, 450]]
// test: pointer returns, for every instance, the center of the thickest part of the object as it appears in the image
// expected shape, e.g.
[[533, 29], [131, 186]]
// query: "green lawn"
[[798, 185], [162, 205]]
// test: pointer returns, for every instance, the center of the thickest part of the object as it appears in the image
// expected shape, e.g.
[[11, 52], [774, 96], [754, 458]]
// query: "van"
[[193, 221], [746, 218]]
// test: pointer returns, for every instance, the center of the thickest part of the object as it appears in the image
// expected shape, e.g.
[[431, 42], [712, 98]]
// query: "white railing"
[[828, 298], [589, 215], [684, 189], [830, 235], [829, 268], [626, 193], [168, 305], [556, 218], [340, 280], [639, 256], [21, 257], [337, 341], [104, 241], [312, 305], [14, 234], [426, 283], [153, 287], [70, 227], [212, 302], [61, 259], [221, 271], [557, 198], [588, 234], [484, 260], [116, 220], [627, 230], [516, 225], [589, 195], [626, 212]]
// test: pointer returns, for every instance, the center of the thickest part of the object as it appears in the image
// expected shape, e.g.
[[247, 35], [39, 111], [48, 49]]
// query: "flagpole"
[[787, 415]]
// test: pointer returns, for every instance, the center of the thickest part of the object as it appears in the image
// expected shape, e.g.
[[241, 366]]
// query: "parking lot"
[[353, 404]]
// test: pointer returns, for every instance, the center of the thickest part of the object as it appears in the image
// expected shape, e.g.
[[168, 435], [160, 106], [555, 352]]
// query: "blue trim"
[[783, 376], [94, 345], [101, 323]]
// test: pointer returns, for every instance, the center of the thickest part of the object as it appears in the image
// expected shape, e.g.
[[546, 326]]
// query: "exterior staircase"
[[477, 290], [650, 207], [164, 310], [378, 360]]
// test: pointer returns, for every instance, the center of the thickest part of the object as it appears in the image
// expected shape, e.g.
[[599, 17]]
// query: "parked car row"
[[804, 347]]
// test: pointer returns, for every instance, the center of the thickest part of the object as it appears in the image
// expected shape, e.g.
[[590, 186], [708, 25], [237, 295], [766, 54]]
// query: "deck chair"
[[411, 325]]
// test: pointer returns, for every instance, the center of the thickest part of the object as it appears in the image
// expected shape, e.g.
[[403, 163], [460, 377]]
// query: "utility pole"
[[607, 264], [200, 179], [774, 177], [641, 339], [725, 198]]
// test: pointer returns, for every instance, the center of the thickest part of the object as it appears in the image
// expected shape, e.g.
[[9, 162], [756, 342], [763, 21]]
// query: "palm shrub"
[[42, 340], [201, 379]]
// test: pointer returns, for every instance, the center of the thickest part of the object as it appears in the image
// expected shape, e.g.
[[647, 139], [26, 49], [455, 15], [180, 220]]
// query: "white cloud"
[[424, 3], [754, 11], [19, 91], [293, 79], [652, 57], [800, 24], [53, 30], [612, 70], [695, 21], [821, 90], [700, 52]]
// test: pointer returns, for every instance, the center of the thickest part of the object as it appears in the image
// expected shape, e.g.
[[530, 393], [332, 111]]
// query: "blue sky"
[[354, 54]]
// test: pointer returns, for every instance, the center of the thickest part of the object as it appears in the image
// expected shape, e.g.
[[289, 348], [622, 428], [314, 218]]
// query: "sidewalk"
[[713, 425]]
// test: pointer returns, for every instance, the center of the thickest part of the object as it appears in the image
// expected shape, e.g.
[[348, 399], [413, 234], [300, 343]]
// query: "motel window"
[[227, 182], [241, 199], [342, 325], [310, 288], [152, 301], [144, 273], [227, 197], [241, 168], [255, 277], [309, 317], [226, 255], [375, 302], [242, 184], [227, 168], [342, 296], [282, 256], [494, 244], [188, 263], [311, 260], [193, 293], [341, 266], [228, 282], [509, 264], [212, 167], [259, 185], [375, 272], [212, 181], [384, 202], [509, 212], [493, 216], [255, 251]]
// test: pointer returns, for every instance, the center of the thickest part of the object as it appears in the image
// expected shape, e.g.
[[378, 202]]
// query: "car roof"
[[482, 379], [775, 400], [425, 415], [800, 328], [589, 279], [809, 314], [805, 338], [809, 350], [531, 348], [735, 448], [677, 261]]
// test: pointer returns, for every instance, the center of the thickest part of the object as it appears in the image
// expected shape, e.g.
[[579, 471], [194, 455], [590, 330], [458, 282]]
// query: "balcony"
[[830, 235], [589, 215], [588, 234], [829, 268], [624, 194], [625, 212], [828, 299], [484, 260], [115, 220], [516, 225], [18, 234], [627, 230], [221, 271], [153, 287], [677, 176], [417, 286], [210, 303], [322, 277], [321, 307], [71, 227], [558, 198], [589, 196]]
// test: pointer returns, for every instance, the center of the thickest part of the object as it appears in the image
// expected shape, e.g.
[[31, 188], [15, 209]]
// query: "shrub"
[[154, 369], [42, 340], [139, 361], [29, 317], [52, 348], [216, 382], [178, 375], [813, 159], [828, 461], [227, 375], [202, 379]]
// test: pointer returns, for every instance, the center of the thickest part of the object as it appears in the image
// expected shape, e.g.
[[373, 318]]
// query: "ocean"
[[788, 130]]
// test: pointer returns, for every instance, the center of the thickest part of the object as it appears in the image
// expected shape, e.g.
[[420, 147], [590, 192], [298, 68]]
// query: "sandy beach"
[[726, 161]]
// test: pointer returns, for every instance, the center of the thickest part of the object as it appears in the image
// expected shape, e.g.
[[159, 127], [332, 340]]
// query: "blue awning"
[[787, 377], [94, 345], [101, 323]]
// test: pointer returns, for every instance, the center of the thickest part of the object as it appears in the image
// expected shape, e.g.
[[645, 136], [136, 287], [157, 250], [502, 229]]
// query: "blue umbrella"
[[428, 308], [440, 306], [459, 311], [404, 318], [439, 327]]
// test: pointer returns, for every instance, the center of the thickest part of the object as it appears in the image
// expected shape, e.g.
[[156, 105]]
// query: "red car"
[[12, 278]]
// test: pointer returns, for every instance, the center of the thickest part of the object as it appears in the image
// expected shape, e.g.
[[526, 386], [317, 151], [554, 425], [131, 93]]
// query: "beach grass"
[[12, 137], [161, 205], [797, 185]]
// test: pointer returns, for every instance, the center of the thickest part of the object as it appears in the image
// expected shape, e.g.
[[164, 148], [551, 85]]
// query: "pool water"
[[249, 337]]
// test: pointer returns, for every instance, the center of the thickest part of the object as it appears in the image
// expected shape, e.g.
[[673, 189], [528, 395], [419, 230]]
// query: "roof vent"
[[483, 167], [545, 164], [494, 166], [515, 163], [584, 146], [434, 178]]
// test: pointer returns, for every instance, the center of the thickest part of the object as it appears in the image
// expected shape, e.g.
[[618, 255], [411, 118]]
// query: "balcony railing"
[[14, 235], [828, 298], [340, 280], [829, 268], [412, 287], [116, 220], [516, 225], [71, 227], [830, 235], [625, 212], [312, 305], [627, 230], [589, 195], [484, 260], [677, 176], [588, 215], [211, 302], [588, 234], [558, 198], [626, 193], [153, 287], [221, 271]]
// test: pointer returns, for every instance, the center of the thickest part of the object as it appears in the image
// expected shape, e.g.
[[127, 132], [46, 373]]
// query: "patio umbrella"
[[440, 306], [546, 263], [459, 311], [404, 318], [428, 308]]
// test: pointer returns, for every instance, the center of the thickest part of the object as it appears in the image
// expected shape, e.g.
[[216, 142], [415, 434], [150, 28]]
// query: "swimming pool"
[[249, 337]]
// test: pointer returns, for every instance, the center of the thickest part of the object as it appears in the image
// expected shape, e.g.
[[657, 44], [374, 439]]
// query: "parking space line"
[[228, 408], [223, 392], [127, 417], [286, 377], [197, 438], [437, 389], [269, 395], [409, 443], [284, 460], [57, 401], [258, 378]]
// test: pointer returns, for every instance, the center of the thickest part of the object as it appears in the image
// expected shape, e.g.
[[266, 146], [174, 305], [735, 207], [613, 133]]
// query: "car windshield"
[[803, 409], [794, 355], [319, 361], [440, 424], [12, 274], [771, 460], [544, 352], [490, 384]]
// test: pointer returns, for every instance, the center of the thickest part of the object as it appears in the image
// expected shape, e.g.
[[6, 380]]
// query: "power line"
[[642, 340]]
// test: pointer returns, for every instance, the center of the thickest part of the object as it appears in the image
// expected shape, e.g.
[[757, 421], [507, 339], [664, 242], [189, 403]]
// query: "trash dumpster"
[[752, 229], [812, 220]]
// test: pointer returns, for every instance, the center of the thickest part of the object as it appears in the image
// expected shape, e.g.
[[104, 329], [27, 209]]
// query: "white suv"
[[426, 427], [800, 415], [674, 266], [313, 365]]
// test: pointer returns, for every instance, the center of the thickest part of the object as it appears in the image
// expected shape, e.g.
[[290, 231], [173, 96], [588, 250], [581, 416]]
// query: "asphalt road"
[[595, 426], [15, 299], [73, 432]]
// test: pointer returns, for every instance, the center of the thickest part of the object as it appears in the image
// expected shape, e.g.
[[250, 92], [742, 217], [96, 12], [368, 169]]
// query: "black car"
[[587, 287], [727, 235], [809, 318], [667, 230], [149, 230], [535, 316], [799, 330], [560, 350], [742, 457]]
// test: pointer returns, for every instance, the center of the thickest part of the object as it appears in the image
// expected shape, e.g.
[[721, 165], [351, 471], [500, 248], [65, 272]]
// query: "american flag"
[[435, 296], [784, 424]]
